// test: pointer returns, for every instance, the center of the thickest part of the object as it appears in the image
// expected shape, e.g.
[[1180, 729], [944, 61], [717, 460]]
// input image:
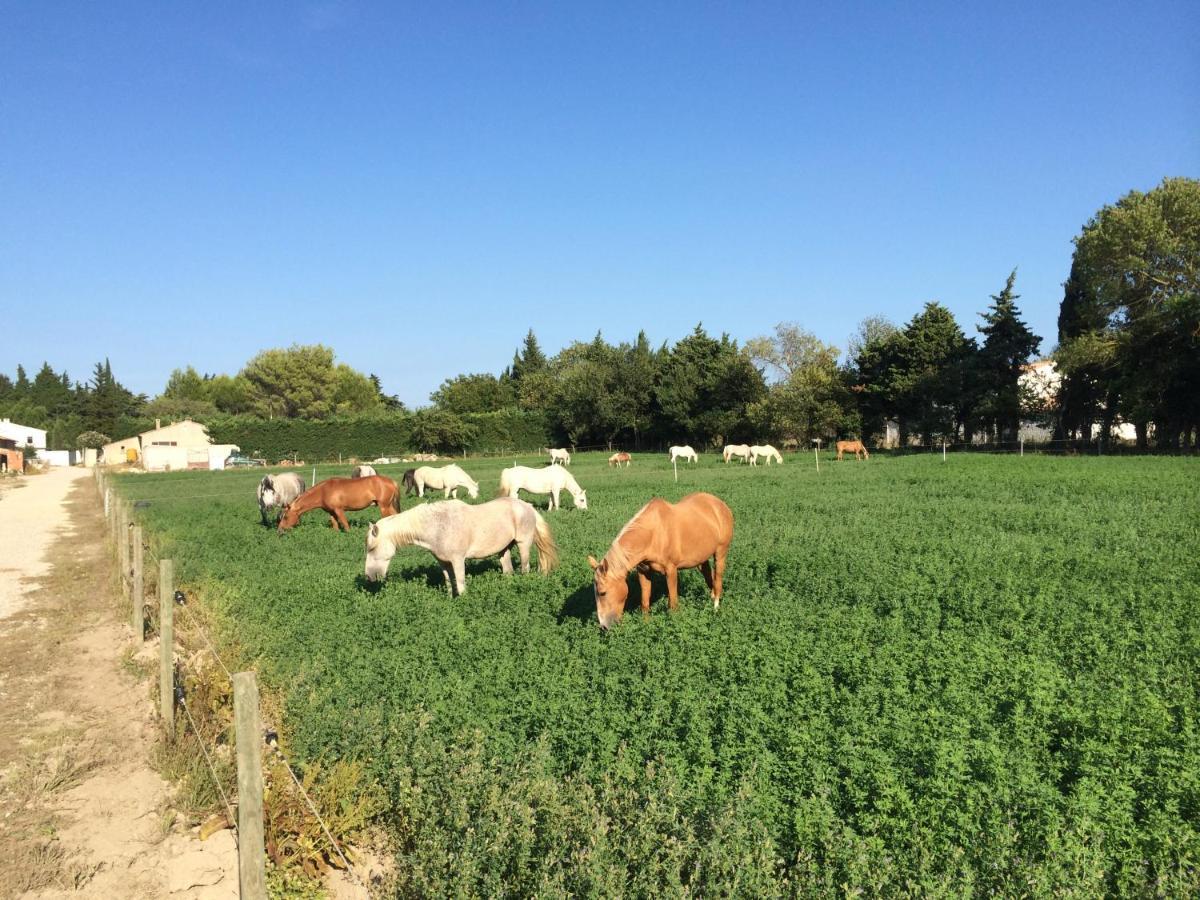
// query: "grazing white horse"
[[447, 479], [363, 472], [550, 480], [561, 456], [686, 453], [737, 451], [764, 450], [454, 532], [278, 492]]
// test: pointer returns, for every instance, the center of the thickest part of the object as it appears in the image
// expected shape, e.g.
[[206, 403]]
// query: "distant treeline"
[[1128, 351]]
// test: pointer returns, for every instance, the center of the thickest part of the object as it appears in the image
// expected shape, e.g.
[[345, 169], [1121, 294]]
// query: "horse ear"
[[592, 562], [374, 529]]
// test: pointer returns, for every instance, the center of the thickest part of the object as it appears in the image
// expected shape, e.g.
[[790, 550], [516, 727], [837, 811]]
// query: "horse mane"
[[617, 557], [404, 528]]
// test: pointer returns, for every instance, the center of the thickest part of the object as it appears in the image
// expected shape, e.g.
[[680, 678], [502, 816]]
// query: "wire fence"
[[270, 738], [117, 516]]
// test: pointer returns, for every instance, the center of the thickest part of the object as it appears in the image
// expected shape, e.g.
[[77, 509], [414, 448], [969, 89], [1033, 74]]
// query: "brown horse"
[[620, 457], [335, 495], [664, 537], [855, 447]]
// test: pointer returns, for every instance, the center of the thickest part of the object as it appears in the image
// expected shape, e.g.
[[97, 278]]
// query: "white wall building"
[[22, 434]]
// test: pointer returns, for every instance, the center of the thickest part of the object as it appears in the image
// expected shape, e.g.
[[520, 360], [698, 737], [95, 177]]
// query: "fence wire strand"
[[278, 753], [211, 768]]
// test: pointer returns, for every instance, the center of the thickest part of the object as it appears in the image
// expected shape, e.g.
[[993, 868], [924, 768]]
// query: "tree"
[[438, 431], [926, 373], [230, 393], [108, 401], [1007, 347], [704, 389], [299, 382], [186, 384], [809, 398], [389, 401], [1132, 320], [1081, 392], [478, 393], [634, 387], [874, 355], [52, 392], [528, 360], [92, 439], [353, 392]]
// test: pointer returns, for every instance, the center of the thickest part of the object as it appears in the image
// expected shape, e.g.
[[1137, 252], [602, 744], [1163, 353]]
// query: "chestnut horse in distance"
[[664, 537], [336, 495], [855, 447]]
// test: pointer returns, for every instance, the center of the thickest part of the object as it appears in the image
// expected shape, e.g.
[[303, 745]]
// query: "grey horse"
[[454, 532], [278, 492]]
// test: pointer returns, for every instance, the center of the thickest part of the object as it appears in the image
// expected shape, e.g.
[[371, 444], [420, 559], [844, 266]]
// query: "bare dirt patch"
[[82, 811]]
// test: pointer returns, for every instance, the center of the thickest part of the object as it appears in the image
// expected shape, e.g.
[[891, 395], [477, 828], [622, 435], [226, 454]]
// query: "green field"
[[973, 677]]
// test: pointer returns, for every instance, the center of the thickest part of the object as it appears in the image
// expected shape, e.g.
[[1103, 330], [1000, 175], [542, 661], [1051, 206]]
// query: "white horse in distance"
[[550, 480], [562, 456], [363, 472], [447, 479], [454, 532], [736, 451], [686, 453], [764, 450]]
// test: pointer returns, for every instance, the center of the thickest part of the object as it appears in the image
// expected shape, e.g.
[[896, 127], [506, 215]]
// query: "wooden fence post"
[[166, 645], [252, 856], [123, 537], [138, 589]]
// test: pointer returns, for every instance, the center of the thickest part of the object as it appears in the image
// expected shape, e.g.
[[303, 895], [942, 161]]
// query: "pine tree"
[[1008, 345], [528, 359]]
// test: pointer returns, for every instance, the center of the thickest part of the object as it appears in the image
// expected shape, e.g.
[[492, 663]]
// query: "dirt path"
[[82, 811]]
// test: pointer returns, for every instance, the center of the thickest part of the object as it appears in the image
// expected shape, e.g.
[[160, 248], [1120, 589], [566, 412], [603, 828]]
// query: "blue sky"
[[416, 186]]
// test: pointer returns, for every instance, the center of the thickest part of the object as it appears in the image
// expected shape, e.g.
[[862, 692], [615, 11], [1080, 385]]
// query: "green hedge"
[[368, 437]]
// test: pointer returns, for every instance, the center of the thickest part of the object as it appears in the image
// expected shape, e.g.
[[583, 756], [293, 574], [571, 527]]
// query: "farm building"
[[12, 458], [22, 435], [179, 445]]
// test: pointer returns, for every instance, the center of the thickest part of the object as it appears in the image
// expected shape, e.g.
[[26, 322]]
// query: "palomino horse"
[[550, 480], [764, 450], [855, 447], [336, 495], [736, 451], [278, 492], [447, 479], [620, 457], [664, 537], [362, 471], [686, 453], [454, 532], [561, 456]]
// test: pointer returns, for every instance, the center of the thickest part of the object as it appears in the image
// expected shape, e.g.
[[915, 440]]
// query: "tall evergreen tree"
[[927, 377], [49, 392], [528, 360], [108, 401], [1008, 345]]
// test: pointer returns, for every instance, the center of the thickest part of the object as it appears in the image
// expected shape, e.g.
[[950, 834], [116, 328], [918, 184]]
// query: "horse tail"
[[544, 541]]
